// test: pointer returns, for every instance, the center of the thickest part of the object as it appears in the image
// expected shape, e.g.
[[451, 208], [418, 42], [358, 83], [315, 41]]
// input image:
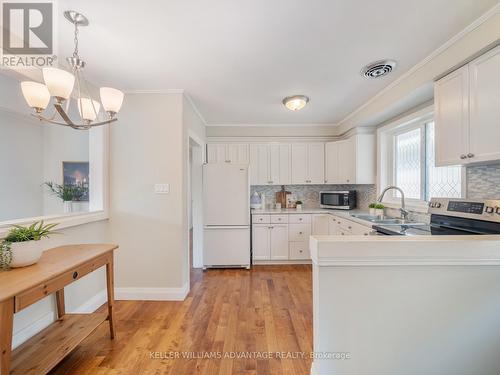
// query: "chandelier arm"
[[74, 126], [63, 114]]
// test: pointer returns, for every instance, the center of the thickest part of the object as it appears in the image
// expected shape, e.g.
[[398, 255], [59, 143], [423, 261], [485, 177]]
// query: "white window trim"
[[385, 158], [99, 160]]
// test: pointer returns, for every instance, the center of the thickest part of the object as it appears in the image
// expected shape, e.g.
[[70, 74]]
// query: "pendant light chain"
[[75, 52]]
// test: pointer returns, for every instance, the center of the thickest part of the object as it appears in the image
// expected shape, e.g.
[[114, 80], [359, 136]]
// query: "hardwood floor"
[[266, 309]]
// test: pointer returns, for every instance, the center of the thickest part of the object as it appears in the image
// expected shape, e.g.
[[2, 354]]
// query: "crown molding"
[[279, 125], [474, 25], [160, 91]]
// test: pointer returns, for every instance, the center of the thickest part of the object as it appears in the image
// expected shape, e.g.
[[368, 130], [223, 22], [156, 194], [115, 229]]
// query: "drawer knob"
[[300, 232], [300, 219], [75, 275], [279, 219], [300, 251]]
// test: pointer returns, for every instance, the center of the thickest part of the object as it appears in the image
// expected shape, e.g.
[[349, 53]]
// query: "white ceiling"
[[238, 59]]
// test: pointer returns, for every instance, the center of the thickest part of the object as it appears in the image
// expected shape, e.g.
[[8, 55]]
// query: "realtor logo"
[[27, 34]]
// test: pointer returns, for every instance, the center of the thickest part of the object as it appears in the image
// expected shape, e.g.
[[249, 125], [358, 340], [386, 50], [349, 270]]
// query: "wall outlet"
[[162, 188]]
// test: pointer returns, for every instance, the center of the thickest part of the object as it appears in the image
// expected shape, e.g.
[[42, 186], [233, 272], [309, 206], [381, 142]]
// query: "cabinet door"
[[333, 227], [279, 242], [237, 153], [216, 153], [316, 163], [484, 133], [299, 164], [451, 101], [279, 164], [320, 225], [261, 242], [332, 163], [259, 165], [347, 161]]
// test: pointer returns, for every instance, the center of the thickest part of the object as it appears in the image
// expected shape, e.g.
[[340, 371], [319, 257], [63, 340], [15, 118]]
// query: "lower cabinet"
[[270, 241]]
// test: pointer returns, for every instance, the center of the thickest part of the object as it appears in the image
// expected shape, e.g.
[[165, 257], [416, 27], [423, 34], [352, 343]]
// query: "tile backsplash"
[[483, 182], [309, 194]]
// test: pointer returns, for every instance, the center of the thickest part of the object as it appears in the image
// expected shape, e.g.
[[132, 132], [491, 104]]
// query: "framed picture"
[[76, 173]]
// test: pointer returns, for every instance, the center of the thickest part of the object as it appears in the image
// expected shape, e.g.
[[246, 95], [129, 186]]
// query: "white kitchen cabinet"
[[451, 100], [270, 164], [300, 250], [320, 224], [261, 246], [351, 161], [467, 108], [279, 241], [333, 227], [484, 134], [227, 153], [308, 163]]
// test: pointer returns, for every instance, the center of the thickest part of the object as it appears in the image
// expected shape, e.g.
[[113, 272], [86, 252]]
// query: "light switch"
[[162, 188]]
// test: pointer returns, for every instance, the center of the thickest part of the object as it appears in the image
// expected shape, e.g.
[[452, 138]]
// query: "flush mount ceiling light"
[[59, 85], [295, 102], [378, 69]]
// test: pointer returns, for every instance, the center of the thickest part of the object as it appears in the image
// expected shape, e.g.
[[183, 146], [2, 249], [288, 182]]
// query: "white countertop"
[[346, 214]]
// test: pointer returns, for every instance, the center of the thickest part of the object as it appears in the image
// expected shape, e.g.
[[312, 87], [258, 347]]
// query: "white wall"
[[147, 147]]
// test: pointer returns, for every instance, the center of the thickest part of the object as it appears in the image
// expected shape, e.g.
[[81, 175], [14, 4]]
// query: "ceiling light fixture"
[[295, 102], [59, 84]]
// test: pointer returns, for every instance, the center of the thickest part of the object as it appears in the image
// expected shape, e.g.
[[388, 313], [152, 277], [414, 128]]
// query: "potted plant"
[[24, 243], [298, 205], [379, 209], [67, 193], [372, 209]]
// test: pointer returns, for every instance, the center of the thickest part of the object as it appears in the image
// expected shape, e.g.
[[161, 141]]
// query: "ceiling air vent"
[[378, 69]]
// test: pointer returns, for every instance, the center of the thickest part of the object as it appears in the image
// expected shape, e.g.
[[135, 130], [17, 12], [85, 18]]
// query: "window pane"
[[444, 182], [407, 162]]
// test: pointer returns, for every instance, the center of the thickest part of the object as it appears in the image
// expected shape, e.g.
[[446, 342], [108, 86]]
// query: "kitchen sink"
[[385, 221]]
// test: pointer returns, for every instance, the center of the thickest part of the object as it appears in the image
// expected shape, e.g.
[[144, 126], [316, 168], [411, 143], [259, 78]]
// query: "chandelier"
[[60, 84]]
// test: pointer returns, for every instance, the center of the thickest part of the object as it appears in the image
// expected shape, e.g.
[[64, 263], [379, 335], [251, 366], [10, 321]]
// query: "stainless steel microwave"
[[339, 200]]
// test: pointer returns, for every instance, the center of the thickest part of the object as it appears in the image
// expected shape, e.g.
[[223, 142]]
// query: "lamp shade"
[[296, 102], [87, 110], [59, 82], [111, 99], [36, 94]]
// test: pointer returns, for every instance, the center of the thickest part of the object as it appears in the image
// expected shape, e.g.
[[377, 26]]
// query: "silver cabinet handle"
[[348, 180], [470, 155], [326, 181], [300, 251], [349, 227], [463, 156], [300, 232]]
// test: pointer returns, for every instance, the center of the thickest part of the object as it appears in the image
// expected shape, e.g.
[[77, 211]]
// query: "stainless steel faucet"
[[403, 210]]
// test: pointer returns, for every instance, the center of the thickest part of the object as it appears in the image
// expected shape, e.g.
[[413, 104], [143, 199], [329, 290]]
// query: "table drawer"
[[299, 250], [299, 232], [40, 291], [261, 219], [279, 219], [299, 219]]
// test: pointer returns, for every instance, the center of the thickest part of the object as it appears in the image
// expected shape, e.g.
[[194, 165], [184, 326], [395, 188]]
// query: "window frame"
[[99, 160], [386, 157]]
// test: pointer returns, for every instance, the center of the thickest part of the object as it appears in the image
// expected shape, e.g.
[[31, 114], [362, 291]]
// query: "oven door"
[[338, 200]]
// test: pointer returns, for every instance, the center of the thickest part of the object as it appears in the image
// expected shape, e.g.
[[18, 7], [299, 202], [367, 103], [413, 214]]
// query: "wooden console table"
[[21, 287]]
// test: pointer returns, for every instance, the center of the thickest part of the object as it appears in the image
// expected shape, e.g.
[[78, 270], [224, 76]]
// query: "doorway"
[[195, 200]]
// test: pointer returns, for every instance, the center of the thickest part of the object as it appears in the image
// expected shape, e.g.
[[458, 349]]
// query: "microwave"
[[339, 200]]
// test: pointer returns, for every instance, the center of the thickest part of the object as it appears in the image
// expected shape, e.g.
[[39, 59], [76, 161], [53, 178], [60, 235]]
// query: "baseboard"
[[92, 304], [280, 262], [152, 294], [29, 331]]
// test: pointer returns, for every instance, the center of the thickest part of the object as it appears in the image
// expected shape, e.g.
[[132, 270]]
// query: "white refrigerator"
[[226, 202]]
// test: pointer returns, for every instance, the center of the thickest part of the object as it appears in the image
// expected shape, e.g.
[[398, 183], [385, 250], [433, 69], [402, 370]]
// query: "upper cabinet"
[[308, 163], [351, 161], [270, 164], [467, 109], [227, 153]]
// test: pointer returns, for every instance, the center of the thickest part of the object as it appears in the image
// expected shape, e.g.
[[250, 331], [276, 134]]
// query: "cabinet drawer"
[[261, 219], [299, 219], [278, 219], [299, 250], [299, 232], [51, 286]]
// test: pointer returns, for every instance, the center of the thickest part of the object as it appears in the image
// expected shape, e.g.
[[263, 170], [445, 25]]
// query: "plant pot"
[[68, 207], [25, 253], [298, 207], [379, 212], [373, 212]]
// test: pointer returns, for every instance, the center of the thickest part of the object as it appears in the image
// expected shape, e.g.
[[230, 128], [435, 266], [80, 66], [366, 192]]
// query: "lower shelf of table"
[[46, 349]]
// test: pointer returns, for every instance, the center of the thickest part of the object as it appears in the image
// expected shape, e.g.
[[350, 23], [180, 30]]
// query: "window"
[[407, 160]]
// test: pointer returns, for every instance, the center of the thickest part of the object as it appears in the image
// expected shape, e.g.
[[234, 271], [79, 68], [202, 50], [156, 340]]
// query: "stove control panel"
[[488, 210]]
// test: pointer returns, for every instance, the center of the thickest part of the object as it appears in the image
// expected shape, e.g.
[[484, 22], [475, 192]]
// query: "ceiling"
[[238, 59]]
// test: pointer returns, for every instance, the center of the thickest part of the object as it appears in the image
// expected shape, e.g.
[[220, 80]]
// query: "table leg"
[[111, 296], [6, 321], [61, 308]]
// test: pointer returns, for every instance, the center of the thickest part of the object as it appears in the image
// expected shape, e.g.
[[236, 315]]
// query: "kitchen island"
[[406, 305]]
